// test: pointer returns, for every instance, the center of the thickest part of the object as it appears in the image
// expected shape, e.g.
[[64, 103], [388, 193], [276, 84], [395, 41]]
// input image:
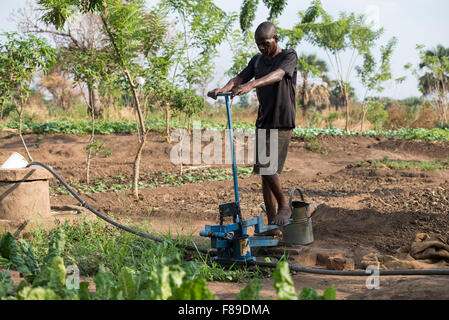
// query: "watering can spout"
[[15, 161]]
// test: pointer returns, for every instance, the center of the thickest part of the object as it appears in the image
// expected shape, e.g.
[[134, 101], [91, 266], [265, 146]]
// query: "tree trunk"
[[92, 135], [346, 103], [139, 134], [363, 117], [94, 101], [20, 111], [167, 122], [143, 138], [304, 95], [189, 125], [136, 165]]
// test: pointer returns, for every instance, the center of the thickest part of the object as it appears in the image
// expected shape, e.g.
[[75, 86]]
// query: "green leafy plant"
[[98, 146], [285, 289], [249, 8], [81, 127], [312, 144], [21, 57], [160, 178], [168, 278], [376, 114], [374, 74], [423, 165]]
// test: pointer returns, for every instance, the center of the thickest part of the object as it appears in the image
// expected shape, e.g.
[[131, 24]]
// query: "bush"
[[427, 118], [376, 114]]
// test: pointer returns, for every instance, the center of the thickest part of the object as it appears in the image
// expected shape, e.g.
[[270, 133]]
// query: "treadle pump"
[[232, 242]]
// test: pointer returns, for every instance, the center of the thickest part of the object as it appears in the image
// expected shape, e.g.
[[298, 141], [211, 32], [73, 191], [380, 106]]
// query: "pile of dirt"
[[368, 227]]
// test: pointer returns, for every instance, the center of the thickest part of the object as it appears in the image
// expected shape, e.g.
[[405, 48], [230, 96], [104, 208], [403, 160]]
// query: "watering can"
[[298, 230]]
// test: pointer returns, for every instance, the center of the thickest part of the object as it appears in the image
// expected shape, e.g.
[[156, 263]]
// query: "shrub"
[[376, 114], [427, 118]]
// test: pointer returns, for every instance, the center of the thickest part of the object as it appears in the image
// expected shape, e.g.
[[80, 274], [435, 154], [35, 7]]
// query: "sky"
[[413, 22]]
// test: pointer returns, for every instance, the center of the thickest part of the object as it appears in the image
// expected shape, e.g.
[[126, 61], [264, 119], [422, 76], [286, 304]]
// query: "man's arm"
[[234, 82], [242, 77], [272, 77]]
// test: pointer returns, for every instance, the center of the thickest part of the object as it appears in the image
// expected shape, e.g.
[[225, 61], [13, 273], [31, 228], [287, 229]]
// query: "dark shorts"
[[264, 163]]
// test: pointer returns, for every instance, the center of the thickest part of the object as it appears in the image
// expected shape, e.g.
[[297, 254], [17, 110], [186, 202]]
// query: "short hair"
[[266, 30]]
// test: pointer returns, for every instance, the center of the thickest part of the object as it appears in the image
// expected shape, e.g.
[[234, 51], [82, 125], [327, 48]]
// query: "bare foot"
[[284, 213], [270, 233]]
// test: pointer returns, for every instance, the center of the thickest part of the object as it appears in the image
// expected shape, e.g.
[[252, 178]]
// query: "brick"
[[340, 263]]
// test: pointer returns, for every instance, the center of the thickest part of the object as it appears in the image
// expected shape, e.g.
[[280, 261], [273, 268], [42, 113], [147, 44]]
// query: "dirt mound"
[[422, 149], [368, 227]]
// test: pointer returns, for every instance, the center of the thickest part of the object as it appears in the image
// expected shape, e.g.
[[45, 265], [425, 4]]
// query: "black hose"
[[258, 263], [114, 223], [426, 272]]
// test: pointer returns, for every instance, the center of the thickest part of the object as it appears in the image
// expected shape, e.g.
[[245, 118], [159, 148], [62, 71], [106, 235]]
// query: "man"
[[275, 73]]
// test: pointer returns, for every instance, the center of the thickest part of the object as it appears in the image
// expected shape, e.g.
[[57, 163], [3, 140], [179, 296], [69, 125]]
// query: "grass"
[[158, 179], [422, 165], [312, 144], [90, 244]]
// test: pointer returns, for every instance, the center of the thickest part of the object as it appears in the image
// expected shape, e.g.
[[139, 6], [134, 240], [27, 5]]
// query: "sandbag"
[[424, 252]]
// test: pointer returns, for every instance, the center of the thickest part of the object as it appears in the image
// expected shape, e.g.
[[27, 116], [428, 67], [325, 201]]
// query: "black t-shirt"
[[277, 101]]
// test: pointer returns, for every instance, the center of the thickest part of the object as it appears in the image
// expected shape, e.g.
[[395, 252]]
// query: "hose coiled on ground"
[[258, 263], [108, 220]]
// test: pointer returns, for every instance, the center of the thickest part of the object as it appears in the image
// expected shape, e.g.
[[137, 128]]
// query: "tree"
[[243, 45], [309, 66], [374, 73], [127, 33], [319, 95], [249, 8], [90, 67], [435, 81], [201, 27], [76, 39], [336, 36], [59, 86], [243, 48], [83, 54], [376, 114], [20, 59], [337, 96]]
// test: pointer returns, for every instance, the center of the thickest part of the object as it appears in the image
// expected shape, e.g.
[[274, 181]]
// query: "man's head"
[[266, 38]]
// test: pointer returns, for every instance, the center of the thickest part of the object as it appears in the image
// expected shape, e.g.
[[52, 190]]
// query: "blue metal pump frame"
[[232, 241]]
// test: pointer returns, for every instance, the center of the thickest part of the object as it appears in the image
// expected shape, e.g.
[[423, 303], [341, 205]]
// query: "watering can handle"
[[313, 204], [291, 193]]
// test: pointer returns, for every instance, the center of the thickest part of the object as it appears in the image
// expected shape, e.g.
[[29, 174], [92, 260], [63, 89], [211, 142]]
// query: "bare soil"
[[360, 210]]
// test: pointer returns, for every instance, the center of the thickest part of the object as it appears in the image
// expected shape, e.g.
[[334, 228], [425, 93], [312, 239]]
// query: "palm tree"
[[337, 96], [309, 66], [431, 80], [435, 81], [319, 95]]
